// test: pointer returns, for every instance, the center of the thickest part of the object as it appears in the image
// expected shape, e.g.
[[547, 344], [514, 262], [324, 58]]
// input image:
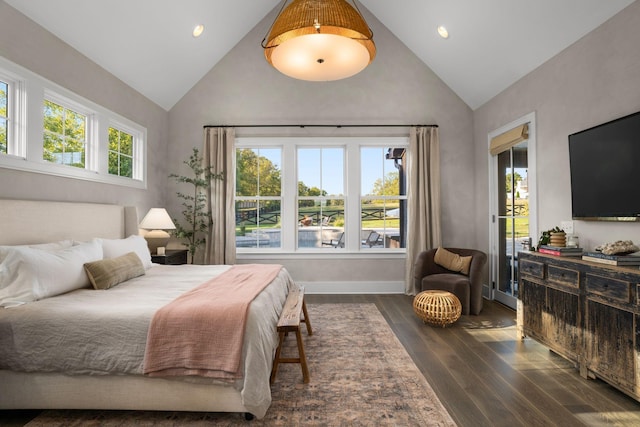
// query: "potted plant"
[[547, 236], [196, 218]]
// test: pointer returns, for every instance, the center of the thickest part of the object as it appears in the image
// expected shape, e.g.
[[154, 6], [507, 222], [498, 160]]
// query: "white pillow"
[[28, 274], [114, 248], [62, 244]]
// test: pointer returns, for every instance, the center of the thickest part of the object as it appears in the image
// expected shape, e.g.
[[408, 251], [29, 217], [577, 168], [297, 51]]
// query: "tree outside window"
[[329, 195], [120, 153], [4, 117], [75, 132], [64, 135], [258, 197]]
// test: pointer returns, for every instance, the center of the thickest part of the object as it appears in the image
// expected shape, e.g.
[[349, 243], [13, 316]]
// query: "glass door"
[[511, 224]]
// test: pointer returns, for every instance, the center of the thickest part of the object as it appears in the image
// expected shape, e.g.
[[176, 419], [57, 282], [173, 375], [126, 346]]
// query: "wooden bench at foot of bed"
[[292, 315]]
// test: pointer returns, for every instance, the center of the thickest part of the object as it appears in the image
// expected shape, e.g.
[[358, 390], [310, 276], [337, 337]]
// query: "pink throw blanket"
[[201, 332]]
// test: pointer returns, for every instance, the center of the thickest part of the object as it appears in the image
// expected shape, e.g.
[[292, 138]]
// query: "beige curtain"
[[423, 198], [219, 153]]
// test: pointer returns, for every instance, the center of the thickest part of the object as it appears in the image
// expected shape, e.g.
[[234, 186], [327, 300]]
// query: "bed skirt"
[[121, 392]]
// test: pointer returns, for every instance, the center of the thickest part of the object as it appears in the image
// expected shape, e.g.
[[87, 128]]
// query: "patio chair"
[[336, 243], [373, 239]]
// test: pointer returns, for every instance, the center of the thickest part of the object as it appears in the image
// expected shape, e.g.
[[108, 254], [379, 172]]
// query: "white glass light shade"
[[320, 57]]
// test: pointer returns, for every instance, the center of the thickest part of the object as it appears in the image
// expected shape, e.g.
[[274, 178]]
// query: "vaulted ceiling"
[[148, 43]]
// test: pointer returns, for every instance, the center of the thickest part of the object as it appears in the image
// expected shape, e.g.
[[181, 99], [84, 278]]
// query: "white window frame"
[[25, 143], [16, 111], [138, 148], [261, 198], [320, 144], [399, 198], [6, 117], [289, 146], [91, 142]]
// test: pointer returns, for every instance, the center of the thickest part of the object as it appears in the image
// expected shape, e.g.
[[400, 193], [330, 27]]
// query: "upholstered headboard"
[[29, 221]]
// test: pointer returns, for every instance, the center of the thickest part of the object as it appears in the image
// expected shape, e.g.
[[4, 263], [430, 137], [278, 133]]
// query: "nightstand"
[[171, 257]]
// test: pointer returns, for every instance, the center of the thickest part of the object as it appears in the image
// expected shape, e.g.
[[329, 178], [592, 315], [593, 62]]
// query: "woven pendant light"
[[319, 40]]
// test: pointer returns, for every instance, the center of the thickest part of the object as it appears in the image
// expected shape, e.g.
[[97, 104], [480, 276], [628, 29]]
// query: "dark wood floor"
[[483, 375]]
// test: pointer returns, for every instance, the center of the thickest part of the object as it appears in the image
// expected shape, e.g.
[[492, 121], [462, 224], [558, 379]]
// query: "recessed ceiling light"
[[198, 29], [443, 32]]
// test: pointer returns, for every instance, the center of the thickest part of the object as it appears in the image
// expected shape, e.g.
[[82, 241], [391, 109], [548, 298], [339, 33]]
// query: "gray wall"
[[595, 80], [27, 44], [396, 88]]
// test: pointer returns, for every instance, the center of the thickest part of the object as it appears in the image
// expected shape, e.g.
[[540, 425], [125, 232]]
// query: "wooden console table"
[[587, 312]]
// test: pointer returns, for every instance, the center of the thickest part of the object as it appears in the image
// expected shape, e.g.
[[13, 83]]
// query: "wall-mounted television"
[[605, 171]]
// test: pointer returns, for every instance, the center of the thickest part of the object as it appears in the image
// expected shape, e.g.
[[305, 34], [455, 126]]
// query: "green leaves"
[[256, 175], [196, 220], [120, 153], [545, 236], [64, 135]]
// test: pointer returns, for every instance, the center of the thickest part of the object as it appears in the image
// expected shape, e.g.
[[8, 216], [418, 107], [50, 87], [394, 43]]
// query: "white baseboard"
[[353, 287]]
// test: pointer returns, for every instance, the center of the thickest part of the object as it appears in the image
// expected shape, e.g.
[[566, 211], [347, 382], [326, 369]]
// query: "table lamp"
[[157, 220]]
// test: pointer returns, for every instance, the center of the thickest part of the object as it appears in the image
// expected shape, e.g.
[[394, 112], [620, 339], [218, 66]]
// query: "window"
[[64, 136], [383, 196], [12, 136], [4, 117], [258, 197], [120, 153], [320, 195], [68, 135]]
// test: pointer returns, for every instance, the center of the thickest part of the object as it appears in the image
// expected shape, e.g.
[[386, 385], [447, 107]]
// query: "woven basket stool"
[[440, 308]]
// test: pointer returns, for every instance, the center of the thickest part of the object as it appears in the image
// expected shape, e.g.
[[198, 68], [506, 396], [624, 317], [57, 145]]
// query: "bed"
[[118, 382]]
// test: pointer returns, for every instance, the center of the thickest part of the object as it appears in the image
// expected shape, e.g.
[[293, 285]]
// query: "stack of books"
[[560, 251], [622, 260]]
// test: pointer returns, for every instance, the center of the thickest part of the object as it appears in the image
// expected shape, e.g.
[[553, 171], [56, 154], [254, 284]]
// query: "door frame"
[[491, 289]]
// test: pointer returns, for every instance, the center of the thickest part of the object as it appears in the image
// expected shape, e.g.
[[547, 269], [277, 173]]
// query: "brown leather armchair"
[[468, 289]]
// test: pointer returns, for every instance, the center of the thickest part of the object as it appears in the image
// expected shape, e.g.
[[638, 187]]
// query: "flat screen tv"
[[605, 171]]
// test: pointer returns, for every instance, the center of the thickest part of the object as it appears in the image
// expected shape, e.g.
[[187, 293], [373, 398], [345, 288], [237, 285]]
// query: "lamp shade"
[[157, 220], [319, 41]]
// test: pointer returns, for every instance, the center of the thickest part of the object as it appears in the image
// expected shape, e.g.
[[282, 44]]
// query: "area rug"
[[360, 376]]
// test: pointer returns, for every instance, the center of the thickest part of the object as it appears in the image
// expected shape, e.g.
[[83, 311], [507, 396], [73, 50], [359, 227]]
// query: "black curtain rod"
[[316, 126]]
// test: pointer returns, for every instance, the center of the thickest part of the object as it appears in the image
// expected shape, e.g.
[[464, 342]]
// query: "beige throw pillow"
[[453, 262], [107, 273]]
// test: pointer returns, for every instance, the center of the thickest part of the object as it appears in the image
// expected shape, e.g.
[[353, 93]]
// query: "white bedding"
[[103, 332]]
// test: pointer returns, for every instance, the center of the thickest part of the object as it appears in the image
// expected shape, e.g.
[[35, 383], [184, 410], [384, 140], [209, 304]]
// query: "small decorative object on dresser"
[[619, 247], [558, 239], [559, 250], [171, 257], [621, 260], [554, 237]]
